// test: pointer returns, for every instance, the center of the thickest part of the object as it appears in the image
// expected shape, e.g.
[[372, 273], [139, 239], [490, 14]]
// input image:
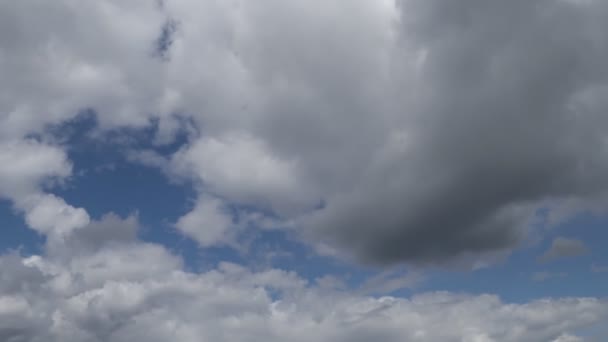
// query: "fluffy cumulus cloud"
[[52, 71], [388, 131], [26, 167], [115, 288], [208, 223]]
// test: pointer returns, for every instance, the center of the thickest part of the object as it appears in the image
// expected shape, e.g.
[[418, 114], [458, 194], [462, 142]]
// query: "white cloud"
[[78, 56], [568, 338], [211, 222], [208, 223], [139, 292], [26, 164], [49, 214], [389, 281], [122, 289], [243, 170]]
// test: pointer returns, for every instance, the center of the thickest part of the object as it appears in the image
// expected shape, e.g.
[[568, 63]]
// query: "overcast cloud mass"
[[424, 133]]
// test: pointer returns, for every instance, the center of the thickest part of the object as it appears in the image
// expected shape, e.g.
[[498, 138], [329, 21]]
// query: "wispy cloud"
[[599, 268], [562, 247], [545, 275]]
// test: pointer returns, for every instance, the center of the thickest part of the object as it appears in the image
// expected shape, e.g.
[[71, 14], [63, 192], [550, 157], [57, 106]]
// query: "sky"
[[302, 170]]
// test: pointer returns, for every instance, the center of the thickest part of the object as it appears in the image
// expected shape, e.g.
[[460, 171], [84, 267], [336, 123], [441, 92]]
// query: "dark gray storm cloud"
[[509, 112]]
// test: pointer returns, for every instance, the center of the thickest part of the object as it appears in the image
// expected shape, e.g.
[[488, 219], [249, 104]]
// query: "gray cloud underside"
[[506, 112]]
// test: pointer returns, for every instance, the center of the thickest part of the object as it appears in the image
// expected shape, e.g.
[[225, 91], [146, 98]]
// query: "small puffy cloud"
[[26, 164], [212, 222], [562, 248], [208, 223], [51, 215], [26, 167], [242, 169]]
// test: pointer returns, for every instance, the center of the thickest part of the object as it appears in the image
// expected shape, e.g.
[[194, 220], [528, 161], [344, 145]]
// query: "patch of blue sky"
[[15, 234]]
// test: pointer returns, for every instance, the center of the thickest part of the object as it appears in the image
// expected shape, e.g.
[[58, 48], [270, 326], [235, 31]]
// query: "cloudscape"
[[302, 170]]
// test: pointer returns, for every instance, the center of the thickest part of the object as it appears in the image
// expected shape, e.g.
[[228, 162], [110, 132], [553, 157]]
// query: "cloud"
[[25, 165], [563, 247], [26, 168], [110, 229], [241, 169], [497, 103], [568, 338], [434, 132], [545, 275], [51, 215], [128, 290], [390, 281], [599, 269], [208, 223], [57, 71], [410, 131]]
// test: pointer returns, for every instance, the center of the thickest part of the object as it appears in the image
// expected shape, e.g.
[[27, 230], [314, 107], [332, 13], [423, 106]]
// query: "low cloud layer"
[[123, 289]]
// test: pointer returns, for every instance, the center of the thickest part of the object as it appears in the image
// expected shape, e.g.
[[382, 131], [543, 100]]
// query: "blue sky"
[[341, 170]]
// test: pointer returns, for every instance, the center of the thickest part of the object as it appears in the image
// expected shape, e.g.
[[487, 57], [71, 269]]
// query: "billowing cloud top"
[[387, 132]]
